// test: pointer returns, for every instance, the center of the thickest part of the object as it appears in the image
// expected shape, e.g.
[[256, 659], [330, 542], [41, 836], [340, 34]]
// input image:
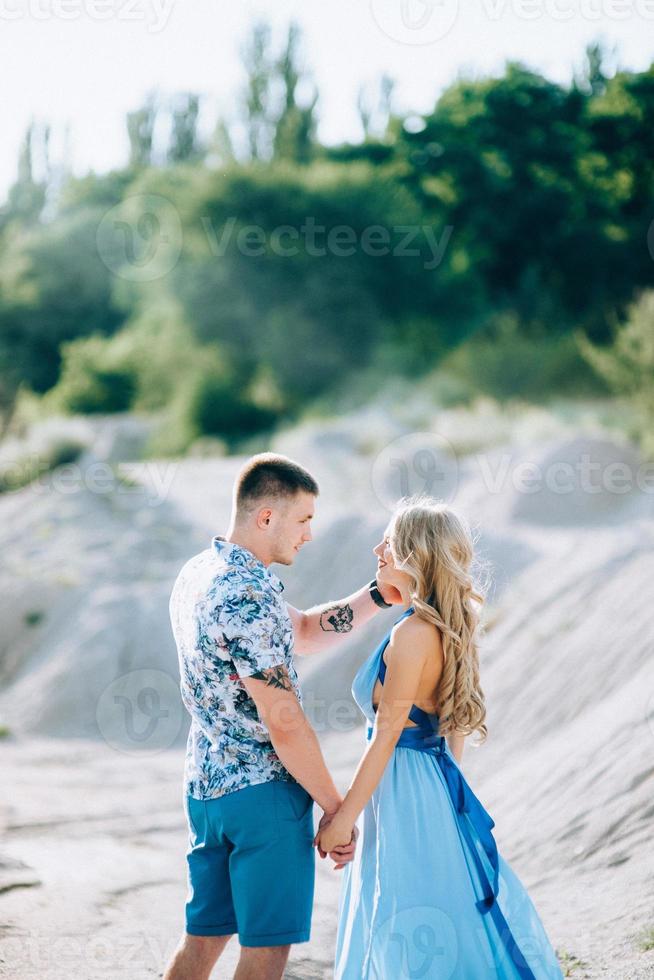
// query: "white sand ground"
[[92, 854]]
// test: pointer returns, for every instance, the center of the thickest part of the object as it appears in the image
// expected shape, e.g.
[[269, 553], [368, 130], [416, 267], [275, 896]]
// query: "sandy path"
[[104, 836], [103, 896]]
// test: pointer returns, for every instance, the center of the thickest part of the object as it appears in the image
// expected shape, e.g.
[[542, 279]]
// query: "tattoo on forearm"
[[337, 619], [275, 677]]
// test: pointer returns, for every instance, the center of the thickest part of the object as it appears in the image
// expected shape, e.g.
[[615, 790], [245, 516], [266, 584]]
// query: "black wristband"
[[377, 597]]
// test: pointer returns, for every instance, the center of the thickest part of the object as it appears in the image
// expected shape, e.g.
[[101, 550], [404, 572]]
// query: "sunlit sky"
[[86, 63]]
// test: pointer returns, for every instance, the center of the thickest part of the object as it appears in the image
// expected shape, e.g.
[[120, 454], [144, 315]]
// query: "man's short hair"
[[270, 475]]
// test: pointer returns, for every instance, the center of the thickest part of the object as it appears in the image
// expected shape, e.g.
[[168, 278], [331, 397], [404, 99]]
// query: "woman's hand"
[[335, 834]]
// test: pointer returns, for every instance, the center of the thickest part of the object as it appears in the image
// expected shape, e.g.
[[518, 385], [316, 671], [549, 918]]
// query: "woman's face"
[[386, 569]]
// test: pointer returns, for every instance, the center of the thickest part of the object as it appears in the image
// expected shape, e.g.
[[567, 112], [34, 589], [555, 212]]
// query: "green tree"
[[594, 75], [374, 108], [620, 123], [258, 65], [242, 292], [627, 364], [88, 384], [54, 287], [184, 143], [140, 132], [27, 196], [280, 124], [527, 171], [295, 125]]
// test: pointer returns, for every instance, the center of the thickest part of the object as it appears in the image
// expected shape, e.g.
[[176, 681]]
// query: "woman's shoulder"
[[415, 636]]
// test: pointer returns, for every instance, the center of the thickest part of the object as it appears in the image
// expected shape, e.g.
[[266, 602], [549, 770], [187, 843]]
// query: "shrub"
[[215, 406], [212, 403], [505, 364], [160, 351], [89, 382], [23, 471], [627, 364]]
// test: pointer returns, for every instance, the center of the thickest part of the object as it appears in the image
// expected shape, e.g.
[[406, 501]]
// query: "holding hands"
[[337, 838], [337, 832]]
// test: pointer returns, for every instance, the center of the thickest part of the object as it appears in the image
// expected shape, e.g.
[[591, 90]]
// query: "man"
[[253, 764]]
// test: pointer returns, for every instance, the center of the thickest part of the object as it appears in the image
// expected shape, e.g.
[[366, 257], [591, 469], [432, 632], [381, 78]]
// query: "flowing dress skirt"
[[409, 901]]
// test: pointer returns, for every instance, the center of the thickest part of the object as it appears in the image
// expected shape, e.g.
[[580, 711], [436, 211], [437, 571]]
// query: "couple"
[[425, 892]]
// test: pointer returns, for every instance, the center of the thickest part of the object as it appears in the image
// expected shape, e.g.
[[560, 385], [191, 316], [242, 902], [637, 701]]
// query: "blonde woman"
[[427, 894]]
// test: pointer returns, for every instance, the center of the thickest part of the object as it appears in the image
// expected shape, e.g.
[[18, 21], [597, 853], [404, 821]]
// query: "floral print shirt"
[[229, 621]]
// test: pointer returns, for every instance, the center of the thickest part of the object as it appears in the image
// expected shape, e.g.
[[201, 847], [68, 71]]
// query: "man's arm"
[[406, 654], [320, 627], [293, 738]]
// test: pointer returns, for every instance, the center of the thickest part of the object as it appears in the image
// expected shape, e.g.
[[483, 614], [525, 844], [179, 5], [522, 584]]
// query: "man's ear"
[[263, 517]]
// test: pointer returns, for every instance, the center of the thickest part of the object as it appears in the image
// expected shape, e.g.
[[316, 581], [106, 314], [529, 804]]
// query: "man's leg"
[[210, 916], [195, 957], [262, 962]]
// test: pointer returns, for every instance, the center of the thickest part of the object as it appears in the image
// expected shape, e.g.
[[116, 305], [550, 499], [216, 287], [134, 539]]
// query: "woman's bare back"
[[426, 697]]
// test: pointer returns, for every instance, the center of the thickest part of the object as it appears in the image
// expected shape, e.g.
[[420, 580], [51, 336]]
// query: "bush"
[[212, 403], [89, 382], [160, 351], [505, 364], [25, 470], [155, 363], [627, 364], [99, 391], [216, 407]]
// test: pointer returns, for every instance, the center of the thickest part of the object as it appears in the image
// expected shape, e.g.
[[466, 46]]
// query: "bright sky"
[[87, 62]]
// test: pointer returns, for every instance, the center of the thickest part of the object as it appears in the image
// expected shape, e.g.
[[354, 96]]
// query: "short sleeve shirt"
[[229, 621]]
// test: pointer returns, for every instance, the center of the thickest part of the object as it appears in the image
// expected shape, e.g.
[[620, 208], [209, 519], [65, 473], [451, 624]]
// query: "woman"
[[427, 894]]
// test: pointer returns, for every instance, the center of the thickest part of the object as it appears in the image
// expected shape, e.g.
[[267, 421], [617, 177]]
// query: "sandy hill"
[[567, 665]]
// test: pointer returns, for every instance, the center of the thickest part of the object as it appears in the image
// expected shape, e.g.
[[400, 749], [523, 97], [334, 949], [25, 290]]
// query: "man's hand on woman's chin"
[[389, 593]]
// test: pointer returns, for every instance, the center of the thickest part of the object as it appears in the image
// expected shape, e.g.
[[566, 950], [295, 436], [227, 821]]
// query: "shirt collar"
[[226, 549]]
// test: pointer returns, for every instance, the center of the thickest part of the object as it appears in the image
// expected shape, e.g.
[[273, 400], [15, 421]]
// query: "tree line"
[[493, 238]]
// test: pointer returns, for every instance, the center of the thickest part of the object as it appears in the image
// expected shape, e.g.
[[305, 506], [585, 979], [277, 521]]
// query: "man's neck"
[[243, 540]]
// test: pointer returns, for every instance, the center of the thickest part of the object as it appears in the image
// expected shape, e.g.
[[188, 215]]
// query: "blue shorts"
[[251, 865]]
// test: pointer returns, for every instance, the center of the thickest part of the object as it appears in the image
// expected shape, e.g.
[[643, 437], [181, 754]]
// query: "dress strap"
[[384, 644]]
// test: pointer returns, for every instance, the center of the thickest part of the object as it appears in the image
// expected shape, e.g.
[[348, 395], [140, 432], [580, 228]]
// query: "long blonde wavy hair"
[[431, 542]]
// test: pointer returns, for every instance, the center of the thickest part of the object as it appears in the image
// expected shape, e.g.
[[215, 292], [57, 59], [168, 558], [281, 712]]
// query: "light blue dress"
[[427, 895]]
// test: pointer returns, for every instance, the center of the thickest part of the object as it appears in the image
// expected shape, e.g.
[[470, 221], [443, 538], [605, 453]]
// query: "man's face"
[[291, 527]]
